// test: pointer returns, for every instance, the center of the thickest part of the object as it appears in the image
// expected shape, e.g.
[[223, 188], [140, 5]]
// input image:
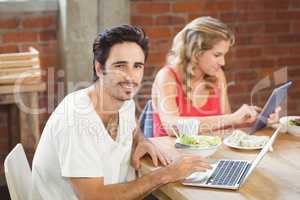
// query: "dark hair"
[[116, 35]]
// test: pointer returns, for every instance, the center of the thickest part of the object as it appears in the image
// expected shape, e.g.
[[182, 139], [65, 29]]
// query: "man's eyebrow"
[[119, 62], [139, 63], [125, 62]]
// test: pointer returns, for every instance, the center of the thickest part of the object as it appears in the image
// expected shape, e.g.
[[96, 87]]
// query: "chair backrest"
[[22, 66], [146, 120], [18, 174]]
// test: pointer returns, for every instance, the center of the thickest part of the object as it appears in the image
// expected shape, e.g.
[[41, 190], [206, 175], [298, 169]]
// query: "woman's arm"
[[164, 94]]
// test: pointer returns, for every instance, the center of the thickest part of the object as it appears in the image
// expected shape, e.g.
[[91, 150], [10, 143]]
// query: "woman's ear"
[[198, 54], [195, 58]]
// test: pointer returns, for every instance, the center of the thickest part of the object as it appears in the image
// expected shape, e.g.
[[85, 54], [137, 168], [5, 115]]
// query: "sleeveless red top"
[[185, 107]]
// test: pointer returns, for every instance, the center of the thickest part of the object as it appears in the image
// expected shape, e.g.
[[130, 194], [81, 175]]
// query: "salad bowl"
[[292, 124], [201, 145]]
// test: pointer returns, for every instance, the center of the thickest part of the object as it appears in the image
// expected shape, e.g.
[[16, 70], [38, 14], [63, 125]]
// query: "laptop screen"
[[262, 153]]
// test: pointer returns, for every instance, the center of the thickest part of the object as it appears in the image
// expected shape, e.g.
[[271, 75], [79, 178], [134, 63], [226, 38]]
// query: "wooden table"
[[276, 177]]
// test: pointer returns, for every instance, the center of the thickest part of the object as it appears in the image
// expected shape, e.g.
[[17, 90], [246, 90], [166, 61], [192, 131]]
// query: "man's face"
[[124, 69]]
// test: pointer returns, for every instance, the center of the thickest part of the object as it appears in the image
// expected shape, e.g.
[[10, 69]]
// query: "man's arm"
[[142, 146], [94, 188], [138, 135]]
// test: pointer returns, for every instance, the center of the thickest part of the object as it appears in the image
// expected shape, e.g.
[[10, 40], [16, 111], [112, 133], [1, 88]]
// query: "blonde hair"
[[196, 37]]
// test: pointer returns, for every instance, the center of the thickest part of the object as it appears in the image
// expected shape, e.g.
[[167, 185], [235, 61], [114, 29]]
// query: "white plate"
[[229, 144]]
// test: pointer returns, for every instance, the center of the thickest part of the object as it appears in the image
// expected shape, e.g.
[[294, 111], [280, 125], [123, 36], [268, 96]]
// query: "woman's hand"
[[248, 114], [245, 114], [274, 117]]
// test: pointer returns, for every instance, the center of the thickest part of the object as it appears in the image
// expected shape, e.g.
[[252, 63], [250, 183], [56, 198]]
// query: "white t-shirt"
[[75, 143]]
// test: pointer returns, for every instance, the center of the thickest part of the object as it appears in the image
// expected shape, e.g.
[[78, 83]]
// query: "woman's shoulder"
[[165, 75]]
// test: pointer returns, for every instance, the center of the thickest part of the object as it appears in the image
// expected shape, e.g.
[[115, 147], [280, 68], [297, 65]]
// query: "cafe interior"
[[46, 53]]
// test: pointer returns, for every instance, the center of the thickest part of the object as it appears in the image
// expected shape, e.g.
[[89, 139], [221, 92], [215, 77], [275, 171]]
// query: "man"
[[85, 149]]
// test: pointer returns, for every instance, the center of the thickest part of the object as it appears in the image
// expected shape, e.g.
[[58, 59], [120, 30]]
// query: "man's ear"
[[98, 69]]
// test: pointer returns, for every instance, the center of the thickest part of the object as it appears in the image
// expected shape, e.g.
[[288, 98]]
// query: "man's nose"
[[130, 74]]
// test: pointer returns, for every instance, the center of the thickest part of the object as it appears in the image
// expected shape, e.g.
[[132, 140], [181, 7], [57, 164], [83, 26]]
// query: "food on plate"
[[240, 138], [199, 141], [294, 122]]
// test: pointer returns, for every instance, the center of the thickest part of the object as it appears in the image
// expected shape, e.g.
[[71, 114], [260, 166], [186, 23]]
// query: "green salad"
[[200, 141], [294, 122]]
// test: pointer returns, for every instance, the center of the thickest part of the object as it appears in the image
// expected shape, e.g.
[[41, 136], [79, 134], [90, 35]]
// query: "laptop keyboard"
[[227, 172]]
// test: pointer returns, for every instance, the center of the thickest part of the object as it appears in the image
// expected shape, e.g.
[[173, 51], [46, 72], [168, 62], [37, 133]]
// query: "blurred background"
[[266, 52]]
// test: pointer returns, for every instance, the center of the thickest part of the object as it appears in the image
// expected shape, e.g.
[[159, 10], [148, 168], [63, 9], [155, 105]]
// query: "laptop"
[[229, 174], [274, 101]]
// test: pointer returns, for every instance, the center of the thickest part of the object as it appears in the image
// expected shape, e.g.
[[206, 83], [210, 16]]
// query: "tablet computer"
[[277, 96]]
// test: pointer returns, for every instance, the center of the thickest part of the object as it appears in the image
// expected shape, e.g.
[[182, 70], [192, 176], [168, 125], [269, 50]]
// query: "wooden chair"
[[146, 120], [24, 66], [20, 76]]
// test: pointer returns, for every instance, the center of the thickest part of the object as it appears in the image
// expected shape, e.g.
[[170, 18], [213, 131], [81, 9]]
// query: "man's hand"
[[185, 166], [144, 147]]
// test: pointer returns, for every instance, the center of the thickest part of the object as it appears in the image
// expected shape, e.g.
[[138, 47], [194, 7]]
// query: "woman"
[[192, 85]]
